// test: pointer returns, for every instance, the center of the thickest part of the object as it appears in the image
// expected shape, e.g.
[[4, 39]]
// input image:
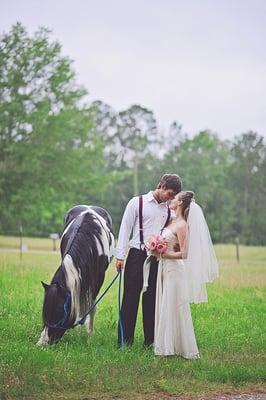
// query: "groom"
[[144, 216]]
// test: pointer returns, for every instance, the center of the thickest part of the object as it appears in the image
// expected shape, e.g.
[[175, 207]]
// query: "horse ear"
[[45, 286]]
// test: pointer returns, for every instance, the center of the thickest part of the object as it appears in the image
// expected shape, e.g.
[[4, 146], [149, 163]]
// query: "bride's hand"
[[155, 253], [159, 255], [176, 247]]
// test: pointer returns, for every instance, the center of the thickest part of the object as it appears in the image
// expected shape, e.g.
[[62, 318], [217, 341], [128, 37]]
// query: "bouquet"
[[157, 243]]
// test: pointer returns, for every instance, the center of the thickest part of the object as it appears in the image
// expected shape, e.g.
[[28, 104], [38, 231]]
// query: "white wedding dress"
[[174, 332]]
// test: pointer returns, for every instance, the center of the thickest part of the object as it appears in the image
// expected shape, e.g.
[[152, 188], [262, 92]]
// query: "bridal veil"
[[201, 262]]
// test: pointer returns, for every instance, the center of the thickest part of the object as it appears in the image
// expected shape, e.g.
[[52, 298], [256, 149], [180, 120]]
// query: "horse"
[[86, 251]]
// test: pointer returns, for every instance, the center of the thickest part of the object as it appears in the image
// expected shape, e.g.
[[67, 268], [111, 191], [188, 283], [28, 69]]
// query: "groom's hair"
[[170, 181]]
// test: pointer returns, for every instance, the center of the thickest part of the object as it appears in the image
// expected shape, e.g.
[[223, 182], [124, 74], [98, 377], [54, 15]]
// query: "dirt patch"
[[236, 396], [258, 394]]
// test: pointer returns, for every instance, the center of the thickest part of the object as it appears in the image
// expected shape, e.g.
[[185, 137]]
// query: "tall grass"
[[230, 331]]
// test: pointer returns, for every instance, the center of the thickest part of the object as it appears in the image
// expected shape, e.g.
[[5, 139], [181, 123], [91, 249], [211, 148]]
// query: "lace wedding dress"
[[174, 332]]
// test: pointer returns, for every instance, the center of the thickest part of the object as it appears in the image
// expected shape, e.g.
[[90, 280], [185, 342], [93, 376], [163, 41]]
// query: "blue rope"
[[119, 313], [59, 325], [82, 320]]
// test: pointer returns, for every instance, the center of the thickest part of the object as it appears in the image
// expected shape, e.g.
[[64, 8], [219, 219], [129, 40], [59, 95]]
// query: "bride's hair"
[[186, 197]]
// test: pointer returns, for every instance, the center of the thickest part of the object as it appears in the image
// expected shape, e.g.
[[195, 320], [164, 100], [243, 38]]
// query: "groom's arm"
[[125, 230]]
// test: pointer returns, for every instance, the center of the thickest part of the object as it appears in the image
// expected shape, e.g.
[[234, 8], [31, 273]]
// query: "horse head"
[[56, 308]]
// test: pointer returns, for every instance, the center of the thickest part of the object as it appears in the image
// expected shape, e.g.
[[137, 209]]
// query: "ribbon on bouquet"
[[146, 273]]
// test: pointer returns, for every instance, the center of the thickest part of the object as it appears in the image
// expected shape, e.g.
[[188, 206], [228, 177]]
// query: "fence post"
[[20, 244], [54, 237], [237, 249]]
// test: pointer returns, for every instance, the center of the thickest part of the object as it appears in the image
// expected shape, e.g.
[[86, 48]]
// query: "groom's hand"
[[119, 265], [176, 247]]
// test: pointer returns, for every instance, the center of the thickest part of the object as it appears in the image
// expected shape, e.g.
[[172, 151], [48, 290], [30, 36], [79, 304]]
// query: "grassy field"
[[230, 331], [12, 242]]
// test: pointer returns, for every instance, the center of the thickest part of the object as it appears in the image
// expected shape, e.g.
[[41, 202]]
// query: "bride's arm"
[[181, 233]]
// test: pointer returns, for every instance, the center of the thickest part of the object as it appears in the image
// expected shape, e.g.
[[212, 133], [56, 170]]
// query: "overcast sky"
[[200, 62]]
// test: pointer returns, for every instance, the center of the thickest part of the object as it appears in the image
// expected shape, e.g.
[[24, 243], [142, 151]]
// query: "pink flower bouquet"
[[157, 243]]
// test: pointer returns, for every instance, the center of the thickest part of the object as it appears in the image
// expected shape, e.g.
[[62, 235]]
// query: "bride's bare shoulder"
[[180, 225]]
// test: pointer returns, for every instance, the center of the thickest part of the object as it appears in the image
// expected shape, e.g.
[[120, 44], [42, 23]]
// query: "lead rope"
[[59, 325], [82, 320], [123, 344]]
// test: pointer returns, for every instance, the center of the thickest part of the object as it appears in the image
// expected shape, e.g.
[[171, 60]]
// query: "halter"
[[59, 324]]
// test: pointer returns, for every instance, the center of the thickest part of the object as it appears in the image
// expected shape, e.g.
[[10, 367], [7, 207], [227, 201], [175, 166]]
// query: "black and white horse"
[[86, 251]]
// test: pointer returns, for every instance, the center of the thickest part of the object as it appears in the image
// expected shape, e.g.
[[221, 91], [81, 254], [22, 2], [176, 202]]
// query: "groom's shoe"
[[126, 344]]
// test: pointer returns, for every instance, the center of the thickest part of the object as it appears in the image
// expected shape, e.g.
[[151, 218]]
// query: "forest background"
[[57, 150]]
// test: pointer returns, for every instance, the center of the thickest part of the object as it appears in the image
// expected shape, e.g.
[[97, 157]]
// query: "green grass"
[[230, 331]]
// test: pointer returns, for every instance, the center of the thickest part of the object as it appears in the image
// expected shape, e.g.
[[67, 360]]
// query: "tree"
[[131, 143], [131, 136], [248, 185], [50, 157], [203, 163]]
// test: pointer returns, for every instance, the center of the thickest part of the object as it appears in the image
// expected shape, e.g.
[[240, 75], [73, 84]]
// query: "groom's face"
[[175, 202], [166, 194]]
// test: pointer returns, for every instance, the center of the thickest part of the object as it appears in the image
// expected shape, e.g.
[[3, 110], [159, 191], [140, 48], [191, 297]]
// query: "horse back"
[[88, 240]]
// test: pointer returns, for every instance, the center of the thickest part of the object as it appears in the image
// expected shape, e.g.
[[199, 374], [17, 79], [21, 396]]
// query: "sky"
[[199, 62]]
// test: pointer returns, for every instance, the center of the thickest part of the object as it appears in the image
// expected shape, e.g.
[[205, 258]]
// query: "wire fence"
[[48, 242], [41, 241]]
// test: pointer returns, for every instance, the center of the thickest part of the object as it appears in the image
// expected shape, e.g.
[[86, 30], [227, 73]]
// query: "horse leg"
[[44, 339], [89, 321]]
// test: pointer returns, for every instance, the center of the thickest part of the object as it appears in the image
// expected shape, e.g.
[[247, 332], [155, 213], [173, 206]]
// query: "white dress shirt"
[[154, 216]]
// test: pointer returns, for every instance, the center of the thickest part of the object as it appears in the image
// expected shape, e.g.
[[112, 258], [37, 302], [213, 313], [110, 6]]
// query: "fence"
[[44, 241]]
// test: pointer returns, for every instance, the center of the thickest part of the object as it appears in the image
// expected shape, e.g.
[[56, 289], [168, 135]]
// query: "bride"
[[187, 265]]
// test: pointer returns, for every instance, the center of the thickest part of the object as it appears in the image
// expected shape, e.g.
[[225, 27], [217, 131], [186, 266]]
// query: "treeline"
[[58, 150]]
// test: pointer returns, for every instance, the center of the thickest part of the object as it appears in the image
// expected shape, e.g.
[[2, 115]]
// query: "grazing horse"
[[86, 251]]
